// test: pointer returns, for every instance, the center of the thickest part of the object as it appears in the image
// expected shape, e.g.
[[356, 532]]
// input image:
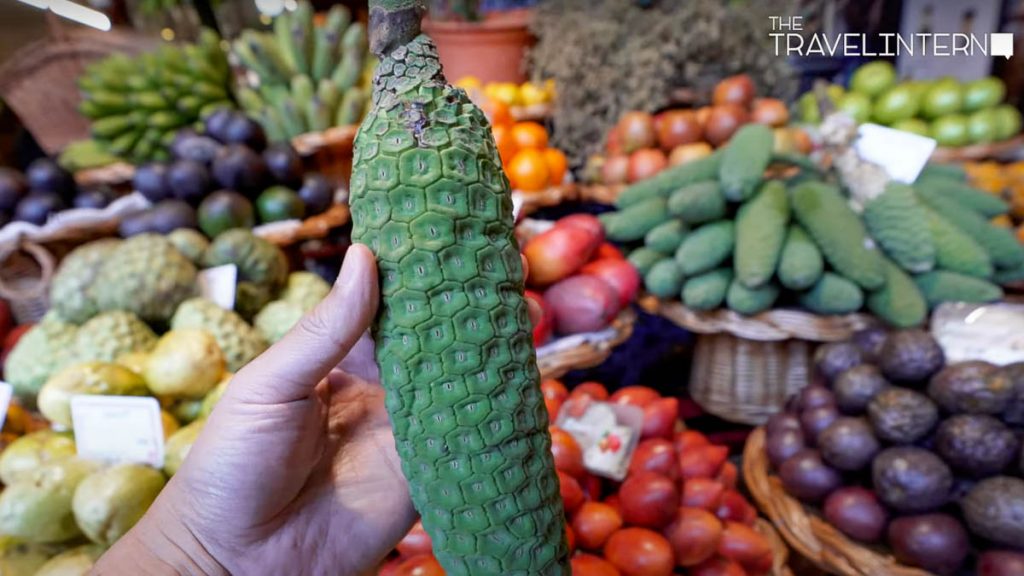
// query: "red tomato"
[[655, 455], [639, 552], [572, 494], [553, 406], [570, 538], [617, 273], [587, 222], [422, 565], [593, 523], [635, 396], [567, 452], [558, 252], [738, 89], [590, 565], [702, 461], [648, 499], [694, 536], [552, 388], [645, 163], [416, 542], [595, 390], [687, 439], [608, 251], [614, 501], [635, 130], [660, 418], [703, 493], [678, 127], [743, 544], [728, 475], [390, 567], [733, 506], [717, 566]]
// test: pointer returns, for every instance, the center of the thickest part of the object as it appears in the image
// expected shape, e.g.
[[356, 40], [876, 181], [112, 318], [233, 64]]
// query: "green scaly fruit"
[[39, 353], [239, 341], [453, 337], [110, 335], [71, 287], [800, 264], [707, 291], [706, 248], [761, 234], [899, 302], [898, 222], [940, 286], [833, 294], [145, 275]]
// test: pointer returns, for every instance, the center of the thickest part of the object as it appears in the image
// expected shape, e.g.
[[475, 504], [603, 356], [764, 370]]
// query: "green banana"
[[328, 37], [351, 109]]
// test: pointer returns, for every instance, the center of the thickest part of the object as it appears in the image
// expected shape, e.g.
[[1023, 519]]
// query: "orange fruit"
[[528, 171], [503, 139], [497, 112], [558, 165], [530, 135]]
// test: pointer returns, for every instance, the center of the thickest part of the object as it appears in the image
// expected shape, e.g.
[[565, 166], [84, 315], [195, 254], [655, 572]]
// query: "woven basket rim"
[[807, 533], [290, 232], [530, 202], [588, 354], [773, 325], [312, 142]]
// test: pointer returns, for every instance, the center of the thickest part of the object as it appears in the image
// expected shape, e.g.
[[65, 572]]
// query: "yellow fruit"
[[531, 94], [469, 83], [170, 425], [505, 92]]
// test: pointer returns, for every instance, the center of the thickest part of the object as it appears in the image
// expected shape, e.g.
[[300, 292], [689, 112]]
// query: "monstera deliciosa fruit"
[[454, 344]]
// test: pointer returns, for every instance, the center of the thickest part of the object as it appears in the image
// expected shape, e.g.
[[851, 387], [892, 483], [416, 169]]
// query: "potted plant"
[[485, 39]]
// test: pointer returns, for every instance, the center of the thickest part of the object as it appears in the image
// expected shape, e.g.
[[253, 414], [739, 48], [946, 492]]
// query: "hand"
[[296, 470]]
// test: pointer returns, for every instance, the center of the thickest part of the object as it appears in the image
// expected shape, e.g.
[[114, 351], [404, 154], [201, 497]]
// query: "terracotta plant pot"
[[492, 49]]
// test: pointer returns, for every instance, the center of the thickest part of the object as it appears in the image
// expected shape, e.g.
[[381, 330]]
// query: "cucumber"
[[706, 247], [666, 237], [643, 259], [750, 301], [760, 234], [707, 291], [662, 184], [698, 203], [664, 279], [745, 159], [635, 222]]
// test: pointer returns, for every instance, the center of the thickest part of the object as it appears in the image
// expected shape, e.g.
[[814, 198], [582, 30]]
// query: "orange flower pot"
[[492, 49]]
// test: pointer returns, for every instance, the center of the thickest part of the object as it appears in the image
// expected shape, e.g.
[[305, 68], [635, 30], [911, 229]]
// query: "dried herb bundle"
[[610, 56]]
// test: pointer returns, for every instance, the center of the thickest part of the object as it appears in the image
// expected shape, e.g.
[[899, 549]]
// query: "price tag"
[[608, 433], [218, 285], [901, 154], [118, 429], [6, 391], [990, 332]]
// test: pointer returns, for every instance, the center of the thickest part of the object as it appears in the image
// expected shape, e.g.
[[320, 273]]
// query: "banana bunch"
[[304, 77], [136, 104]]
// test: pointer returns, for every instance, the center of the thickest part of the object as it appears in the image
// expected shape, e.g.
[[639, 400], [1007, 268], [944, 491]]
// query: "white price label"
[[6, 391], [990, 332], [608, 433], [118, 429], [902, 154], [218, 285]]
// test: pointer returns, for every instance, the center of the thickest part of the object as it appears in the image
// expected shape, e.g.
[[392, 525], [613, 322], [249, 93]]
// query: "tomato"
[[687, 439], [733, 506], [645, 163], [639, 552], [737, 90], [422, 565], [558, 165], [636, 131], [529, 135], [688, 153], [416, 542], [554, 407], [594, 390], [608, 251], [722, 123], [615, 170], [558, 252], [895, 104], [593, 523], [552, 388], [702, 461], [613, 501], [390, 567], [703, 493], [570, 539], [617, 273], [528, 171], [503, 140], [613, 142], [567, 452], [728, 475], [648, 499], [660, 418], [743, 544], [873, 78], [694, 536], [770, 111], [590, 565], [572, 494], [635, 396], [587, 222], [717, 566], [655, 455], [943, 98], [678, 127]]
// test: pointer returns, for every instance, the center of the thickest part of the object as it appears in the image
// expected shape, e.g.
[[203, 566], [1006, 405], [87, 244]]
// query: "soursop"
[[71, 288], [109, 335], [258, 261], [39, 354], [145, 275], [190, 243], [239, 341], [277, 319], [306, 289]]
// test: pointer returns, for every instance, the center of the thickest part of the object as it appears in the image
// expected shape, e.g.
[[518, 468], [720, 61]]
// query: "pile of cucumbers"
[[716, 233]]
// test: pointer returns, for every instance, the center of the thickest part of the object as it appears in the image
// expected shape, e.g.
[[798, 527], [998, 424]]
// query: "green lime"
[[279, 203], [873, 78]]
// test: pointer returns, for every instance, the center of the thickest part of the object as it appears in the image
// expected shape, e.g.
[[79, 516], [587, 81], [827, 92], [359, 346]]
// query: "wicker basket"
[[584, 350], [291, 231], [780, 552], [530, 202], [744, 367], [808, 534], [1005, 149], [328, 152]]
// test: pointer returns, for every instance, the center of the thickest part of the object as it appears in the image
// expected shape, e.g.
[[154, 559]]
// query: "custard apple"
[[258, 261], [109, 335], [190, 243], [277, 318], [70, 291], [39, 354], [306, 289], [146, 275], [239, 341], [250, 298]]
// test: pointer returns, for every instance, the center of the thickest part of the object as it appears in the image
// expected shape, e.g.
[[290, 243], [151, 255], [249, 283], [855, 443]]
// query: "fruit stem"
[[394, 23]]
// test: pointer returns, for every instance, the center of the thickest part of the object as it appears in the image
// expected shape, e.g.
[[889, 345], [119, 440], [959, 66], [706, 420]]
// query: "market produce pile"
[[308, 77], [716, 233], [44, 189], [224, 175], [137, 104], [900, 447], [677, 511], [953, 113]]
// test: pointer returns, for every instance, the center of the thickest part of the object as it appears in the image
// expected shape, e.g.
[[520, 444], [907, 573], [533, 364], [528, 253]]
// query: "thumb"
[[290, 369]]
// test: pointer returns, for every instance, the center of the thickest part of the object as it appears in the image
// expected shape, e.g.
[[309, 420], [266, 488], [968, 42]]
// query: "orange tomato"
[[558, 165], [497, 112], [503, 140], [528, 171], [530, 135]]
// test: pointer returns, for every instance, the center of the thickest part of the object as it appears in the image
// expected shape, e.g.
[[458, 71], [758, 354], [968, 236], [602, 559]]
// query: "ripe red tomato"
[[660, 418], [635, 396], [694, 535], [655, 455], [733, 506], [743, 544], [608, 251], [717, 566], [416, 542], [572, 494], [702, 461], [595, 390], [422, 565], [648, 499], [567, 452], [552, 388], [553, 407], [590, 565], [390, 567], [614, 501], [687, 439], [639, 552], [705, 493], [728, 475], [570, 539], [593, 523]]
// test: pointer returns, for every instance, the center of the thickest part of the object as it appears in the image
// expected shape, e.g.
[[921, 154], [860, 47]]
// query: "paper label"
[[990, 332], [118, 429], [608, 433], [901, 154], [6, 391], [218, 284]]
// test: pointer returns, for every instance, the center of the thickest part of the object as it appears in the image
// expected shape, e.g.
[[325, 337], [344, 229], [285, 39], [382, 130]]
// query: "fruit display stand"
[[997, 150], [745, 367], [584, 350], [807, 533]]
